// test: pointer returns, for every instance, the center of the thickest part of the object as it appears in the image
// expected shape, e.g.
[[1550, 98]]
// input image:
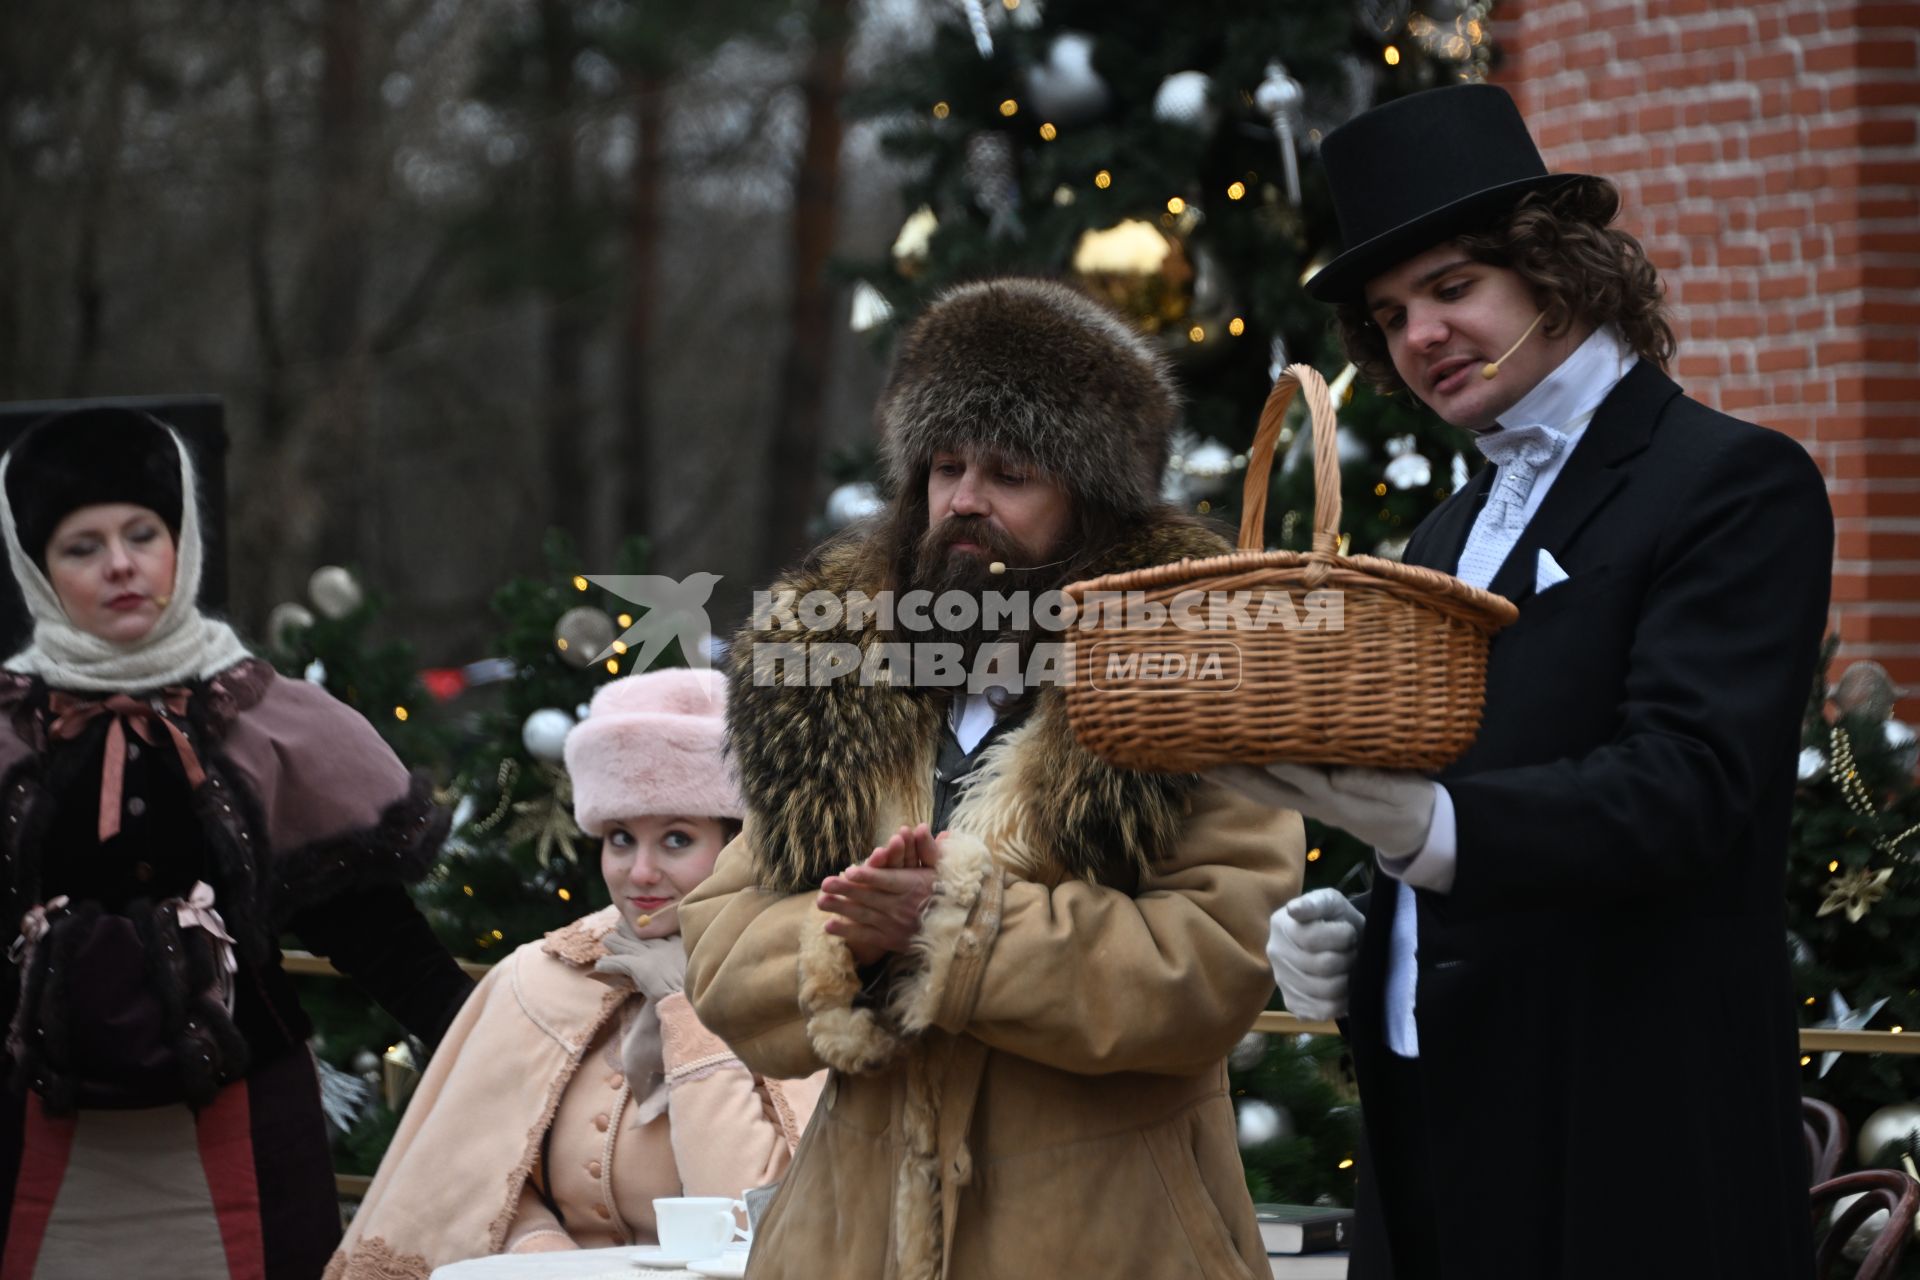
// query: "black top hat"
[[1419, 170]]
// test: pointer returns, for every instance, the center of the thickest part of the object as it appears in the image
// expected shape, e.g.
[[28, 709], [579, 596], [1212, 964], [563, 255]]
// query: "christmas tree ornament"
[[976, 11], [991, 179], [316, 673], [1139, 269], [399, 1073], [285, 623], [1896, 1124], [343, 1095], [1249, 1053], [1840, 748], [582, 635], [1281, 100], [1408, 470], [1855, 892], [1261, 1123], [544, 734], [1208, 467], [1844, 1017], [870, 309], [546, 820], [1903, 744], [1065, 89], [1864, 1235], [1185, 100], [856, 500], [1813, 764], [334, 591], [1866, 690], [366, 1063], [912, 245]]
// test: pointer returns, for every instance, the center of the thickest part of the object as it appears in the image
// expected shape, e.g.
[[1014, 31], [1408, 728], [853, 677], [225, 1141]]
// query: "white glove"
[[1390, 810], [1311, 944]]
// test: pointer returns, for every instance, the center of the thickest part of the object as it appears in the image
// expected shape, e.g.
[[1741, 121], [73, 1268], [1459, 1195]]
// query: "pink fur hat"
[[651, 745]]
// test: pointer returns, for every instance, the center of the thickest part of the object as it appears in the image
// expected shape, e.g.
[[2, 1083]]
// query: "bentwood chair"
[[1826, 1131], [1889, 1189]]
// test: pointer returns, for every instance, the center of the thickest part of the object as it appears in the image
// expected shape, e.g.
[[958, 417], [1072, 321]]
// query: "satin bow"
[[72, 716]]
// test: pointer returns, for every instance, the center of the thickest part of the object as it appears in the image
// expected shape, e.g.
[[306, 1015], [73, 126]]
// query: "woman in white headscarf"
[[170, 807]]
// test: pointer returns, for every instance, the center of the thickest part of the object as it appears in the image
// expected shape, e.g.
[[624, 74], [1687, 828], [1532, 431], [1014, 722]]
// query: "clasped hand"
[[876, 904]]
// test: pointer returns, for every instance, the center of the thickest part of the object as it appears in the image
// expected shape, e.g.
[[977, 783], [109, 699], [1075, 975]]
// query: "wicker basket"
[[1388, 668]]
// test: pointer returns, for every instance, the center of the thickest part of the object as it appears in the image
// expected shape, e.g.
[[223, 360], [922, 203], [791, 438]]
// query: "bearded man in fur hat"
[[1023, 967]]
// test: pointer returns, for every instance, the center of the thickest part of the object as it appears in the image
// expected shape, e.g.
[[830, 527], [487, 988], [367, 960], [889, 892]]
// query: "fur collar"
[[826, 770], [581, 943]]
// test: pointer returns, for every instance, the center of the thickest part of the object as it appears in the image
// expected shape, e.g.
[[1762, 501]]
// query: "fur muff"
[[1041, 373], [825, 769]]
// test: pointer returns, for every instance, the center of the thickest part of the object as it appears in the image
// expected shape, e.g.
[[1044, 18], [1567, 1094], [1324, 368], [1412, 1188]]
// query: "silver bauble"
[[1864, 1235], [334, 591], [286, 622], [1813, 764], [583, 634], [1887, 1125], [1185, 100], [1904, 744], [545, 734], [855, 500], [1249, 1052], [1066, 90], [316, 673], [1865, 690], [366, 1060], [1409, 471], [1262, 1122], [1208, 467]]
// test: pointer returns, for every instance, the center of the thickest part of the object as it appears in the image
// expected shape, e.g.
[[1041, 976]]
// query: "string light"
[[1237, 191], [1380, 491], [1313, 855], [1103, 179], [560, 643], [579, 583], [400, 714], [566, 895], [1197, 334], [1048, 133], [1392, 55], [467, 889], [1176, 206], [1345, 1164], [1236, 326], [1805, 1059], [620, 647], [1009, 107], [1897, 1030], [625, 619], [940, 110], [497, 935], [613, 666], [1834, 865]]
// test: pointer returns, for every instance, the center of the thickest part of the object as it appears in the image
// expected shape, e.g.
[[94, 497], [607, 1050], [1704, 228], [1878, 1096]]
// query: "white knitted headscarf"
[[183, 644]]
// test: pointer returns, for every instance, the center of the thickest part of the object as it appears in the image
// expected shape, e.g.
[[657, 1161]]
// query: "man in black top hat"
[[1568, 994]]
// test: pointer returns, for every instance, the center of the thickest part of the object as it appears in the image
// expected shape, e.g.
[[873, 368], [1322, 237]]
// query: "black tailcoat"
[[1609, 1070]]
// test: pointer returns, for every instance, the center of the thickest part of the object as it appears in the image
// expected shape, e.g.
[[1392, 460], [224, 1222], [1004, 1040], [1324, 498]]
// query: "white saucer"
[[652, 1255], [728, 1266]]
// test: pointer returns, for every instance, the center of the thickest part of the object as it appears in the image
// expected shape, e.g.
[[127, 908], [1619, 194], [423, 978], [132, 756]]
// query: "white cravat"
[[973, 717], [1569, 395]]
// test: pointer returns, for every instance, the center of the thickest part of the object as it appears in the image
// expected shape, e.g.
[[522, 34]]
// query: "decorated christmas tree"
[[1853, 908], [1166, 162]]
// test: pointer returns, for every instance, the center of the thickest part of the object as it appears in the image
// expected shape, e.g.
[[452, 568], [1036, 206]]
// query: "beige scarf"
[[183, 645]]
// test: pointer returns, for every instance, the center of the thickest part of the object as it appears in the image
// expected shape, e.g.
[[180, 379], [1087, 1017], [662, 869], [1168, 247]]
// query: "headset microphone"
[[999, 567], [1489, 370]]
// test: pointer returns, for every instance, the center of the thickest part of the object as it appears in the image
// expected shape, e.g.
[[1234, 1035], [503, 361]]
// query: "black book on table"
[[1303, 1228]]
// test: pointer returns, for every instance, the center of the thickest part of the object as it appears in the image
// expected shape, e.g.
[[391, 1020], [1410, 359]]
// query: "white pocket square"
[[1547, 573]]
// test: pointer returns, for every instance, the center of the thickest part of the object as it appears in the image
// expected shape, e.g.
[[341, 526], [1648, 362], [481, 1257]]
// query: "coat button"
[[615, 1080], [593, 1168], [136, 806], [600, 1122], [600, 1211]]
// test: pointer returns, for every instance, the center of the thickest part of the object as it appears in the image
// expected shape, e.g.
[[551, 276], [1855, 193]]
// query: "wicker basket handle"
[[1326, 469]]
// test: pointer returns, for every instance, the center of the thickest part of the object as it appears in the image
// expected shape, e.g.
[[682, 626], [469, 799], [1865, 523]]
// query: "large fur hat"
[[651, 745], [88, 456], [1041, 373]]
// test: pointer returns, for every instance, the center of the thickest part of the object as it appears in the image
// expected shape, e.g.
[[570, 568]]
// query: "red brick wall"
[[1768, 159]]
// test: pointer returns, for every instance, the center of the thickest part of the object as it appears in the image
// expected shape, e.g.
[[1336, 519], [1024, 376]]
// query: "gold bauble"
[[1138, 268]]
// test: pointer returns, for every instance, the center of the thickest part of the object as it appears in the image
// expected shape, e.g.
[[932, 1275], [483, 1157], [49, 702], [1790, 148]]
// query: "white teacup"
[[696, 1227]]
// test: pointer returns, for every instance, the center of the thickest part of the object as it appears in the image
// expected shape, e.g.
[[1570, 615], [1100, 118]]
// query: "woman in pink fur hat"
[[577, 1085]]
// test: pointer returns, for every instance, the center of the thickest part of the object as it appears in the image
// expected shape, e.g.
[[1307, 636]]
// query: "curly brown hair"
[[1580, 267]]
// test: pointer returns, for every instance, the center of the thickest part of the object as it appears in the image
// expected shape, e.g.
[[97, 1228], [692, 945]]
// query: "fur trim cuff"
[[845, 1038], [942, 979]]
